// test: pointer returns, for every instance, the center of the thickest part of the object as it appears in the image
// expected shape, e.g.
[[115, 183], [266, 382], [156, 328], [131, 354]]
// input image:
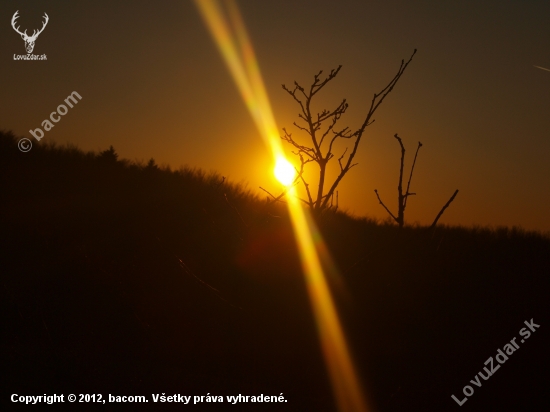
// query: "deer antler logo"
[[29, 40]]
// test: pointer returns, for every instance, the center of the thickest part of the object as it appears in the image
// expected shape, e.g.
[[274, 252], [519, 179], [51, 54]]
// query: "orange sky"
[[154, 85]]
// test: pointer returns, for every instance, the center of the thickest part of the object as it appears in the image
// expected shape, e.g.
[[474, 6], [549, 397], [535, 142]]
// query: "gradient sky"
[[154, 85]]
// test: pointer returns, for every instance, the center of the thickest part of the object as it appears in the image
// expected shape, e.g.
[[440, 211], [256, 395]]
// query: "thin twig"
[[275, 199], [382, 203], [443, 209], [407, 193]]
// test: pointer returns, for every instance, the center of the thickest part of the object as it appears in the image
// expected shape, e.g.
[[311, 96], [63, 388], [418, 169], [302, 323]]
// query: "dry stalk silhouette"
[[322, 133], [402, 197]]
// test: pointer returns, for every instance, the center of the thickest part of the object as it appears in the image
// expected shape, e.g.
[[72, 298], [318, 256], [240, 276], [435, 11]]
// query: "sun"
[[284, 171]]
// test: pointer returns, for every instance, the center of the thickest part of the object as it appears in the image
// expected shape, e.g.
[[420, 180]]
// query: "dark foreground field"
[[128, 279]]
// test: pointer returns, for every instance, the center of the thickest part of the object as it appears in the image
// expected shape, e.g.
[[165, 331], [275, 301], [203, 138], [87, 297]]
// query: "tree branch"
[[317, 124], [382, 203], [407, 194], [400, 199], [443, 209], [368, 119], [275, 199]]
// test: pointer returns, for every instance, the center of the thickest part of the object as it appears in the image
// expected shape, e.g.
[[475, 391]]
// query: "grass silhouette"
[[129, 278]]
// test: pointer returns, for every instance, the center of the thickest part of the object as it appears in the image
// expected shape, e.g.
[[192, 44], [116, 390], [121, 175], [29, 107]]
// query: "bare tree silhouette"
[[322, 132], [402, 197]]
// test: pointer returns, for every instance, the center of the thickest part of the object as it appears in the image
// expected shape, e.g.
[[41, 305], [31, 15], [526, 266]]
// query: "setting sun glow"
[[232, 40], [284, 171]]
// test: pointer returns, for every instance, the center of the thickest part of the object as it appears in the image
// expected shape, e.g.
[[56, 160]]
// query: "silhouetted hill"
[[132, 279]]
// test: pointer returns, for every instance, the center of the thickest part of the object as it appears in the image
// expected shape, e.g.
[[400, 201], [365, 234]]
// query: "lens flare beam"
[[234, 44]]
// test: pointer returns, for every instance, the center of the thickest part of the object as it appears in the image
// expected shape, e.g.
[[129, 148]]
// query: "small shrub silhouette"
[[402, 197], [108, 156]]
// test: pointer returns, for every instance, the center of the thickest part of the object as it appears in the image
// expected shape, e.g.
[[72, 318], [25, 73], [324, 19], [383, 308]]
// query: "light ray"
[[543, 68], [234, 44], [236, 48], [342, 373]]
